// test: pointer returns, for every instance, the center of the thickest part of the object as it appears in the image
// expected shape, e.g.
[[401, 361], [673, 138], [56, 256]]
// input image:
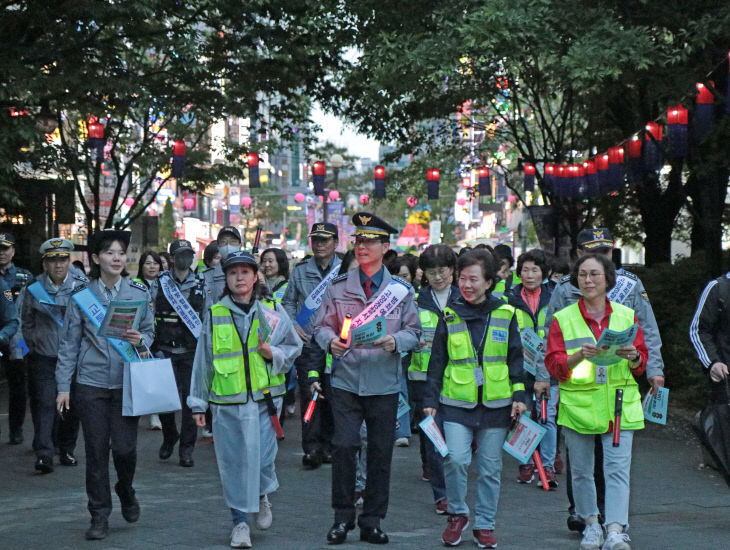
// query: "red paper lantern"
[[633, 147], [188, 203], [319, 168], [704, 94], [334, 195], [252, 159], [549, 169], [590, 167], [178, 148], [677, 115], [529, 169], [653, 129], [602, 162], [246, 201], [615, 155], [380, 172], [432, 174], [96, 130], [299, 197]]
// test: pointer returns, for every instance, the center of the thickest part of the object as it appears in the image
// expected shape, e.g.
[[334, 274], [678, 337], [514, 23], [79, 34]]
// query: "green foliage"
[[166, 227]]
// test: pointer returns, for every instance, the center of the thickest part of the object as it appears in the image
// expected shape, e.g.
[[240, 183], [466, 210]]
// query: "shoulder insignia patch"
[[79, 277], [645, 295], [409, 285], [564, 279], [8, 295], [339, 278], [627, 274], [137, 285], [80, 287]]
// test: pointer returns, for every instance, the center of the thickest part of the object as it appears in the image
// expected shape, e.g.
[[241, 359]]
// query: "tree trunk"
[[708, 189]]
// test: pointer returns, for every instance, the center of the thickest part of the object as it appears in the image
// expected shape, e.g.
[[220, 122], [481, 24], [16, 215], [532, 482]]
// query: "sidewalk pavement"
[[674, 505]]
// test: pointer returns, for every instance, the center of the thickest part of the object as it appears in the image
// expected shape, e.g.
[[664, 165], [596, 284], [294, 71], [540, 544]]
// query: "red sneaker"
[[559, 464], [527, 473], [551, 479], [485, 538], [456, 525], [442, 506]]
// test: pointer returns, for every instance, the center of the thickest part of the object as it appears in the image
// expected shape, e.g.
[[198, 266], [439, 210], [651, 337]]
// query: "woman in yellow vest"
[[245, 348], [588, 396], [476, 379]]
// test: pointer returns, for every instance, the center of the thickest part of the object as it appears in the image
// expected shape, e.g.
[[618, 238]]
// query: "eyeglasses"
[[437, 272], [592, 274]]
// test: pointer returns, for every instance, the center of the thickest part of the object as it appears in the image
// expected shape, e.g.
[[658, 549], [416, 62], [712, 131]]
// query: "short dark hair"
[[558, 265], [347, 260], [143, 258], [504, 252], [389, 257], [537, 257], [608, 268], [281, 260], [482, 258], [104, 245], [437, 255], [209, 253], [400, 261], [168, 258]]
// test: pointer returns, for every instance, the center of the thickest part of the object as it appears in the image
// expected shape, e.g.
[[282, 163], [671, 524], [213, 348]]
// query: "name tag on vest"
[[181, 306], [46, 302], [314, 300], [624, 286]]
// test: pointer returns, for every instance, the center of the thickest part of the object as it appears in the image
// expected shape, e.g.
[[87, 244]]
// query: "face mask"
[[228, 249], [183, 261]]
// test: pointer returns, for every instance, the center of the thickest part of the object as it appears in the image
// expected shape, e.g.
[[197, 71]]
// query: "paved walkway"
[[674, 505]]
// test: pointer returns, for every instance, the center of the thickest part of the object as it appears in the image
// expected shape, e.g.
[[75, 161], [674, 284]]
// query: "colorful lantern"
[[550, 176], [529, 177], [636, 164], [602, 173], [246, 201], [678, 133], [129, 201], [189, 204], [461, 201], [653, 135], [364, 198], [334, 195], [299, 197], [178, 158], [319, 171], [485, 182], [615, 167], [412, 201], [432, 183], [252, 160], [379, 182], [704, 111], [95, 130], [591, 179]]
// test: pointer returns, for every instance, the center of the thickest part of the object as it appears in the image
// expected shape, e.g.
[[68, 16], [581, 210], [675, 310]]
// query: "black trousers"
[[182, 366], [317, 433], [105, 429], [379, 413], [597, 476], [50, 431], [15, 372]]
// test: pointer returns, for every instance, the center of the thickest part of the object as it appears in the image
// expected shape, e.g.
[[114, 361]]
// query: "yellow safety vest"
[[585, 406], [460, 387], [418, 369], [230, 358]]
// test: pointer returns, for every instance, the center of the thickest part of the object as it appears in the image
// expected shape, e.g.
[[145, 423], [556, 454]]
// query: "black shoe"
[[187, 461], [99, 529], [128, 500], [338, 532], [167, 447], [44, 464], [326, 457], [373, 535], [576, 523], [16, 438], [68, 459], [312, 461]]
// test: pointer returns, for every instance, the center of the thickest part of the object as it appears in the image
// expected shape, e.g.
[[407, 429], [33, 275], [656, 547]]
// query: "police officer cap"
[[595, 239], [56, 248], [230, 229], [324, 230], [370, 226], [180, 245], [241, 257], [7, 239], [105, 234]]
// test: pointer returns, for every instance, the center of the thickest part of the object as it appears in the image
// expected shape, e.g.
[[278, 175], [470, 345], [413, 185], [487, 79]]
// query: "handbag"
[[149, 387]]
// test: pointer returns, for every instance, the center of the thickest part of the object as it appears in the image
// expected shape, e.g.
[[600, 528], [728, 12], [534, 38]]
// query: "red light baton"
[[272, 414], [540, 470], [256, 241], [310, 408], [543, 408], [618, 406]]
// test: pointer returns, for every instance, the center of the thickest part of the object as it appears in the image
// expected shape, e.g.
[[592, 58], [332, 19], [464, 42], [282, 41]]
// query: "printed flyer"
[[122, 315]]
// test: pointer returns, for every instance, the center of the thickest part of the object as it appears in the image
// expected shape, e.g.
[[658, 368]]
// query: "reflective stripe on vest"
[[585, 406], [418, 369], [459, 386], [229, 378], [524, 319]]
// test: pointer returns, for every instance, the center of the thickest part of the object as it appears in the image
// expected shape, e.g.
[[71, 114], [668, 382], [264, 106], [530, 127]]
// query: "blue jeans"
[[456, 464], [549, 443], [239, 516], [616, 471]]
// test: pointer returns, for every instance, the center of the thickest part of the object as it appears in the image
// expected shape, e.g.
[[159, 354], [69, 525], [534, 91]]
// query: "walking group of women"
[[466, 370]]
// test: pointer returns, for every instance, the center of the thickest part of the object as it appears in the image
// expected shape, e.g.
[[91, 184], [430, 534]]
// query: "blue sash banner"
[[46, 302], [314, 300], [384, 303], [181, 305], [622, 289], [93, 309]]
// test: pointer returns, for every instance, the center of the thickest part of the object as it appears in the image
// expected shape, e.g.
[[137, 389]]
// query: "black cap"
[[180, 245], [241, 257], [115, 234], [230, 229], [371, 227], [7, 239], [595, 239], [325, 230]]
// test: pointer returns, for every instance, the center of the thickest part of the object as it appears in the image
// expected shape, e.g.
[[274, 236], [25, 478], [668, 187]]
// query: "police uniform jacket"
[[16, 279], [92, 357], [40, 330], [285, 347], [172, 335], [367, 370], [9, 321], [215, 284], [303, 280], [636, 298]]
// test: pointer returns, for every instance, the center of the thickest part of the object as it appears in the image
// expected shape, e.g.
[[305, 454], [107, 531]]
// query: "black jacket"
[[709, 331]]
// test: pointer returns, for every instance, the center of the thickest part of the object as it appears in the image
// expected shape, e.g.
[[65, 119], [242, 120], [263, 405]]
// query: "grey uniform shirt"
[[40, 330], [9, 320], [632, 294], [369, 370], [285, 346], [92, 357], [215, 284]]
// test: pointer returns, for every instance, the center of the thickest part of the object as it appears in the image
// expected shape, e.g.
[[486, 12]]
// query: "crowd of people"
[[370, 343]]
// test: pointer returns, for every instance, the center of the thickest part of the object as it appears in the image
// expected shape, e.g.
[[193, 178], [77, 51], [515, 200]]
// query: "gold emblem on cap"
[[364, 220], [597, 234], [56, 243], [320, 227]]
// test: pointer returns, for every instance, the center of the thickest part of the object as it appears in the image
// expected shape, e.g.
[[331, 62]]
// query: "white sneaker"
[[241, 536], [155, 423], [264, 516], [616, 541], [291, 409], [402, 442], [205, 432], [592, 537]]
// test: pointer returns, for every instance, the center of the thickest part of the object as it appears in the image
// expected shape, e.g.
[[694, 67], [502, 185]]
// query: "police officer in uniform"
[[229, 240], [306, 276], [365, 380], [175, 340], [43, 323], [14, 279], [9, 321], [629, 291]]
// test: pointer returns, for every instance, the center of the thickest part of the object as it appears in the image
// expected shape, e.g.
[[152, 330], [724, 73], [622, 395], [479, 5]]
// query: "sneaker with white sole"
[[616, 541], [592, 537], [264, 516], [402, 442], [241, 536]]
